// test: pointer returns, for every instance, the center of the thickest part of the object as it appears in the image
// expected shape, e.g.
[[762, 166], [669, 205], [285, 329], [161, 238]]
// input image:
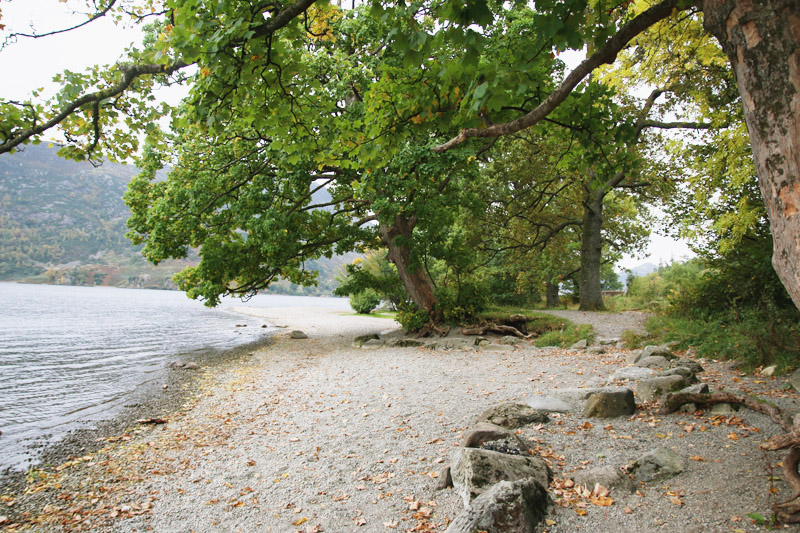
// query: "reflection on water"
[[74, 353]]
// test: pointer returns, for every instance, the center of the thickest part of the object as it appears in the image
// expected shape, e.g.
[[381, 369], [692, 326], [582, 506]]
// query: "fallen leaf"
[[733, 436], [697, 458], [581, 512], [300, 521]]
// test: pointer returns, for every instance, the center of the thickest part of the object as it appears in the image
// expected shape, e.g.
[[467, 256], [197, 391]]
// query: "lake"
[[73, 355]]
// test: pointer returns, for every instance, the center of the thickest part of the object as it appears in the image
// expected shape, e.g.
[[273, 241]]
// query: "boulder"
[[633, 373], [662, 350], [475, 470], [656, 465], [653, 361], [549, 405], [697, 388], [652, 389], [297, 334], [361, 339], [679, 371], [685, 362], [508, 507], [580, 345], [510, 340], [512, 415], [607, 476], [579, 395], [610, 404], [498, 436]]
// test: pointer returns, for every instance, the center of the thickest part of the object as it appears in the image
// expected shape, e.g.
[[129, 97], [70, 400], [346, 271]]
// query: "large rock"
[[475, 470], [580, 395], [633, 373], [508, 507], [654, 362], [610, 404], [656, 465], [485, 432], [510, 340], [652, 389], [662, 350], [512, 415], [297, 334], [607, 476]]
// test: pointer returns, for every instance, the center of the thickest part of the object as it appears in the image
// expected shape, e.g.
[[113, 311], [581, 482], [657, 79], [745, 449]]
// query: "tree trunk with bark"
[[551, 295], [762, 41], [397, 237], [590, 290]]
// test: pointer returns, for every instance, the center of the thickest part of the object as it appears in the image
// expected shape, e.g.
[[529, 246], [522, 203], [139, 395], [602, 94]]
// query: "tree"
[[233, 40]]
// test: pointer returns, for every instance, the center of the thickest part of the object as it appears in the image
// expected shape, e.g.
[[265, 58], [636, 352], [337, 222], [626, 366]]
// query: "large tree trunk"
[[762, 41], [551, 295], [416, 281], [591, 296]]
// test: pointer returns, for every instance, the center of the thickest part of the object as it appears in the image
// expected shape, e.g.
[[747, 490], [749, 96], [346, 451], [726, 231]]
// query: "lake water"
[[72, 355]]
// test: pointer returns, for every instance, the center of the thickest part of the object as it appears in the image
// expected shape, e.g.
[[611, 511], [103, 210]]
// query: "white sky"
[[31, 63]]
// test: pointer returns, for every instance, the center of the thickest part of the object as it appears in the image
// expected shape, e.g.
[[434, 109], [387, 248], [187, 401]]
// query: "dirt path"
[[314, 435]]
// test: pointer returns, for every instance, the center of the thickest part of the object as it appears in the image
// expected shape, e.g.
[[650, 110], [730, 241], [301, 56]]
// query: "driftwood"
[[494, 328], [153, 421], [788, 511]]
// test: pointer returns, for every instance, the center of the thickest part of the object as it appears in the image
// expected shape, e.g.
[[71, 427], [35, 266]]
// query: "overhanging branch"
[[607, 53]]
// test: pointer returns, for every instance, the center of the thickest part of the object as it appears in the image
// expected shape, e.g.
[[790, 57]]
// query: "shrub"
[[411, 318], [365, 301]]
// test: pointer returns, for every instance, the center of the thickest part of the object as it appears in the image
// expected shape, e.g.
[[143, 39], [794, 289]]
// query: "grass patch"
[[566, 337]]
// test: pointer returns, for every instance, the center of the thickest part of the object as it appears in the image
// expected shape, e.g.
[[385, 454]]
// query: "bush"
[[411, 318], [365, 301]]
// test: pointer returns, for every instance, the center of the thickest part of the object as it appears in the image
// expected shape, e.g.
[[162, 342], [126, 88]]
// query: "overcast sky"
[[31, 63]]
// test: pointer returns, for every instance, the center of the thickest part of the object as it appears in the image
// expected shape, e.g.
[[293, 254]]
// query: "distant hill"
[[642, 270], [63, 222]]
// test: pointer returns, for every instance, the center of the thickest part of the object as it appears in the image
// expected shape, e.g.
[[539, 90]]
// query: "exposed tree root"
[[494, 328], [789, 511]]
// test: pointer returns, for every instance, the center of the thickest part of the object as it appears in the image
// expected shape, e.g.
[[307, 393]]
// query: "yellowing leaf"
[[300, 521], [581, 512]]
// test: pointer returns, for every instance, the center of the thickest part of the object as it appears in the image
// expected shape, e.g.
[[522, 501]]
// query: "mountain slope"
[[64, 222]]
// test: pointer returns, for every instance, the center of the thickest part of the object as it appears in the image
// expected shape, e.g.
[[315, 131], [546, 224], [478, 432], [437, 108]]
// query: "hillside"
[[63, 222]]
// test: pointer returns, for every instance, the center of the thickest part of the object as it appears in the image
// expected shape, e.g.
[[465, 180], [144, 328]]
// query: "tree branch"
[[607, 53]]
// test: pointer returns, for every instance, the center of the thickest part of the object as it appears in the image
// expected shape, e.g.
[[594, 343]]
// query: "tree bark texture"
[[551, 295], [397, 237], [762, 41], [591, 295]]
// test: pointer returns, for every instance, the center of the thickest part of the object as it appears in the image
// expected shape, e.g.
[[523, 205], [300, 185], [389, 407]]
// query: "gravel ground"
[[606, 325], [315, 435]]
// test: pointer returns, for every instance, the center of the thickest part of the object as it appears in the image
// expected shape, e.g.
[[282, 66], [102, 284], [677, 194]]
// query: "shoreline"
[[159, 397]]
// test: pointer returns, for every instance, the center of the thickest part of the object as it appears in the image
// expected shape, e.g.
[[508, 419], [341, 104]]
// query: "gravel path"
[[606, 325], [315, 435]]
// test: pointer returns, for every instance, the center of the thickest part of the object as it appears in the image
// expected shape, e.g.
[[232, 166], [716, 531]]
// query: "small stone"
[[610, 404], [485, 432], [445, 479], [580, 345], [361, 339], [297, 334], [657, 464], [164, 386], [510, 340], [724, 409], [652, 389], [653, 361], [373, 344], [685, 362], [549, 405], [769, 371], [512, 415], [607, 476], [191, 366], [697, 388], [596, 350], [662, 350], [633, 373]]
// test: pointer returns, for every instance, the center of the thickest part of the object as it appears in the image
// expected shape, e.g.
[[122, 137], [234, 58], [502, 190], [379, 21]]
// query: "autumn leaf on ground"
[[733, 436], [391, 525], [581, 512], [300, 521], [697, 458]]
